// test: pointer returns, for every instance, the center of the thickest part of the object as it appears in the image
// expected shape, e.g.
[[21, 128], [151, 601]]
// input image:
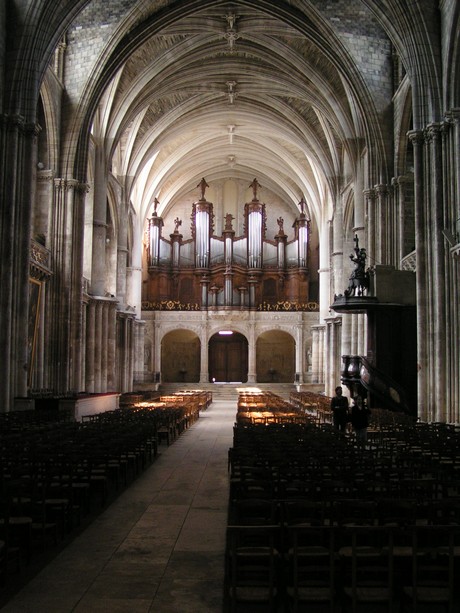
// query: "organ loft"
[[229, 269]]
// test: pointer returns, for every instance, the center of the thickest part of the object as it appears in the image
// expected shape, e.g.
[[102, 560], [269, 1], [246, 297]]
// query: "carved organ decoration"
[[209, 271]]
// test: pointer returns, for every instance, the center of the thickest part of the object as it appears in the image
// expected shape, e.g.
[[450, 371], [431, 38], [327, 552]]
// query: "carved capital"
[[381, 189], [416, 137], [433, 131], [68, 185]]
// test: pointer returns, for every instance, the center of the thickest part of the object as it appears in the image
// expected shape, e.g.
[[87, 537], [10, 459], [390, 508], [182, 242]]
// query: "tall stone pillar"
[[112, 348], [98, 266], [90, 345], [204, 350], [423, 392], [347, 334], [316, 353], [324, 273], [98, 348], [451, 159], [122, 254], [252, 372], [157, 353], [372, 253], [104, 346], [17, 159], [399, 187], [299, 354], [435, 219], [66, 293], [382, 225], [138, 375], [337, 248]]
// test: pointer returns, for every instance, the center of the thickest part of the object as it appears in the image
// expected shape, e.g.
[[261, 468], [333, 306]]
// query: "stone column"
[[90, 345], [423, 392], [337, 249], [204, 351], [316, 352], [324, 273], [299, 354], [139, 351], [112, 348], [451, 165], [122, 253], [98, 267], [98, 347], [435, 215], [347, 334], [131, 349], [157, 353], [65, 294], [382, 225], [252, 371], [104, 346], [17, 161], [84, 323], [371, 226], [399, 186]]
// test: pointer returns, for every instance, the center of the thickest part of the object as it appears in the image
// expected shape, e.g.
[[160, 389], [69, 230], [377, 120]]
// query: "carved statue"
[[280, 222], [156, 202], [202, 185], [255, 185], [359, 278], [177, 223], [228, 221]]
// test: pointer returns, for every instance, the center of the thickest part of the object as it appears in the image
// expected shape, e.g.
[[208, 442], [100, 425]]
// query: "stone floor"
[[159, 547]]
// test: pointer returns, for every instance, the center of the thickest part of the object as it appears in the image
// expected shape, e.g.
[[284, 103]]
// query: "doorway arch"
[[275, 357], [180, 357], [228, 357]]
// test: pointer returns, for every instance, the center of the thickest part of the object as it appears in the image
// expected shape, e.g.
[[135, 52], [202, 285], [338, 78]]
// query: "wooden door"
[[228, 358]]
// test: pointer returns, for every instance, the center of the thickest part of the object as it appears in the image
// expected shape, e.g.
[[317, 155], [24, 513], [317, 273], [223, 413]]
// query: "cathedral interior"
[[172, 170], [238, 192]]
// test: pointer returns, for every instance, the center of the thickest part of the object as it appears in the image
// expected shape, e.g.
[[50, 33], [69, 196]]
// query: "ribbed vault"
[[230, 91]]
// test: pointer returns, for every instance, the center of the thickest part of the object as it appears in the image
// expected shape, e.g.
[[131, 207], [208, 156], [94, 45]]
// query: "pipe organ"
[[211, 271]]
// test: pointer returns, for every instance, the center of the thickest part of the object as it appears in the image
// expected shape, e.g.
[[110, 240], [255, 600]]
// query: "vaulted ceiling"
[[240, 90]]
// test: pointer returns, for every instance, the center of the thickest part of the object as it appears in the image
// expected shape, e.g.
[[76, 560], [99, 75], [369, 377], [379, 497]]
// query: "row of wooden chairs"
[[55, 472], [292, 481], [349, 568]]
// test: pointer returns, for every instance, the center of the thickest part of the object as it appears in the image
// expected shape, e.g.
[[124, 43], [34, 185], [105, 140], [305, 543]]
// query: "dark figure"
[[339, 408], [360, 420], [359, 278]]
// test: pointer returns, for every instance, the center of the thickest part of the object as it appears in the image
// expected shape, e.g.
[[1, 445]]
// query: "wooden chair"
[[366, 555], [253, 512], [253, 568], [311, 568], [435, 558]]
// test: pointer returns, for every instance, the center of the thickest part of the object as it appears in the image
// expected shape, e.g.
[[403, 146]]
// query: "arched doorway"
[[228, 357], [180, 357], [275, 357]]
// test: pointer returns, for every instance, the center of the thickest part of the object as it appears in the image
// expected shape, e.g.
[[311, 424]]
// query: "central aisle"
[[160, 546]]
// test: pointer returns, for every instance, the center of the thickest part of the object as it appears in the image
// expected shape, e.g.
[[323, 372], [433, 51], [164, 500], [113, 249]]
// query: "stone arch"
[[228, 357], [275, 357], [180, 356]]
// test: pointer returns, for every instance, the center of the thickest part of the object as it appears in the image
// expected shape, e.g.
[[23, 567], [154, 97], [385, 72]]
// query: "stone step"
[[229, 391]]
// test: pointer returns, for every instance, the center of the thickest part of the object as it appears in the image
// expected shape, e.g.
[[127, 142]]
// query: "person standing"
[[360, 420], [339, 408]]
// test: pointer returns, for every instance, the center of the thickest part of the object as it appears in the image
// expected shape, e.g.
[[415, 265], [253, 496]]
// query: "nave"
[[160, 545]]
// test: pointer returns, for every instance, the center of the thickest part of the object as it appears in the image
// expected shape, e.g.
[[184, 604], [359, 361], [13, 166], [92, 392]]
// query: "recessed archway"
[[180, 357], [228, 357], [275, 357]]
